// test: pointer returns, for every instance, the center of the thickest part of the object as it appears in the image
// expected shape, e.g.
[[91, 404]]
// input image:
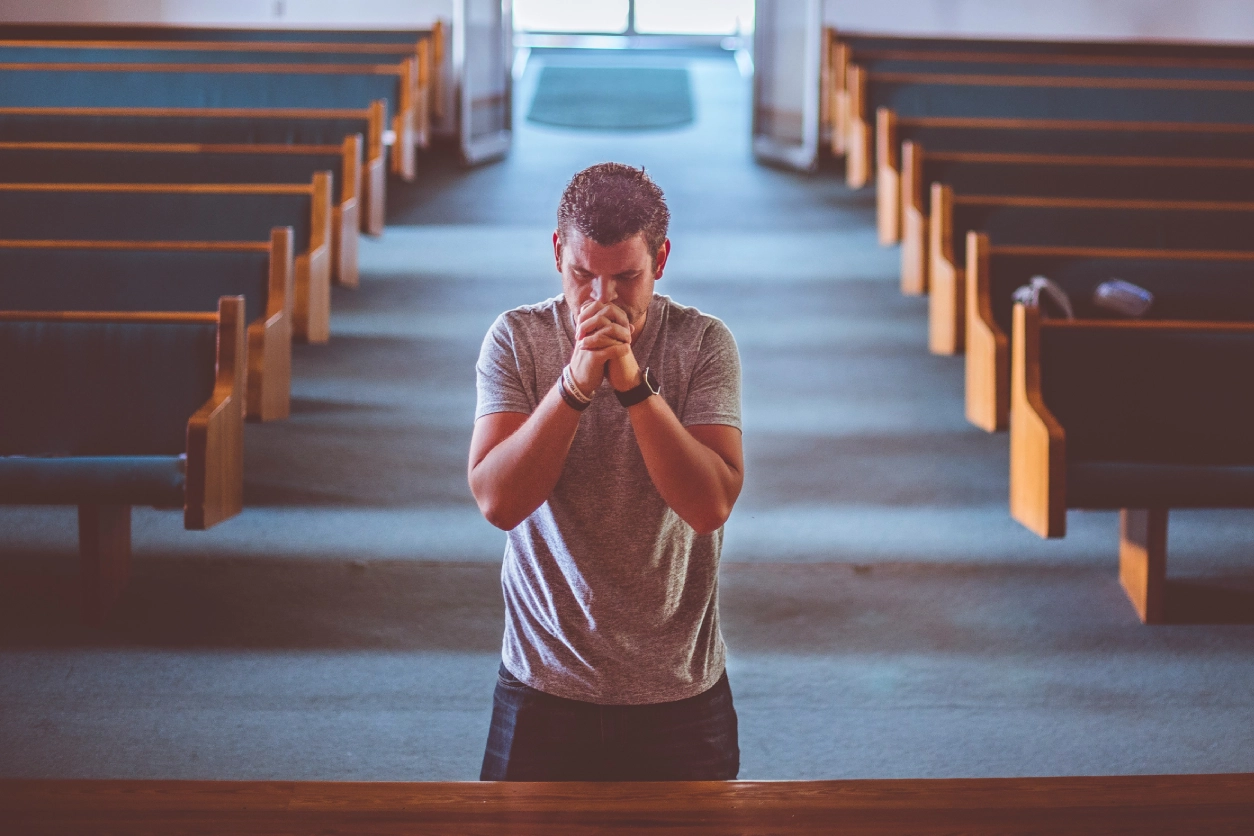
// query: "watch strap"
[[647, 388]]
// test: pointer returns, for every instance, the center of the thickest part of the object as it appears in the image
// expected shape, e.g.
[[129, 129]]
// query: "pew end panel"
[[215, 433], [987, 346], [840, 99], [887, 177], [311, 301], [858, 145], [1038, 446], [374, 172], [422, 93], [270, 337], [946, 282], [404, 146], [914, 225], [346, 215]]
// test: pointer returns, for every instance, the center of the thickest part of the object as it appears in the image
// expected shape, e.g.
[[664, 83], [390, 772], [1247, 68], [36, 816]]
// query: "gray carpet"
[[885, 616], [612, 98]]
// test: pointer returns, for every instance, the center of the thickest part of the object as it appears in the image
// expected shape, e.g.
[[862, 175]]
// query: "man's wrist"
[[647, 388]]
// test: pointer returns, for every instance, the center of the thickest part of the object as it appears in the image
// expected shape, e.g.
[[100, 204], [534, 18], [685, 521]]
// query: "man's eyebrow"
[[627, 273]]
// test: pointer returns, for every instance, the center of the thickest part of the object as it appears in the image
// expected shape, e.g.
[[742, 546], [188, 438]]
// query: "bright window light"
[[602, 17], [694, 17]]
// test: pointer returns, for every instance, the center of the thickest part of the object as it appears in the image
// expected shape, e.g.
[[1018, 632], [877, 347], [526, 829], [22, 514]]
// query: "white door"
[[786, 45], [482, 54]]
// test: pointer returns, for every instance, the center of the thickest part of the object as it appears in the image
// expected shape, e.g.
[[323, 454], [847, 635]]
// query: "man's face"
[[622, 274]]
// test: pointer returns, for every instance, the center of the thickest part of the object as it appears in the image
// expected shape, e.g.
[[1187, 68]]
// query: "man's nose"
[[603, 290]]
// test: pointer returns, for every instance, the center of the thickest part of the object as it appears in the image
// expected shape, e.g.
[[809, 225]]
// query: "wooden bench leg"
[[1143, 560], [104, 553]]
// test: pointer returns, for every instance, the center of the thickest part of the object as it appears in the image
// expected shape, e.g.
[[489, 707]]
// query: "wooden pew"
[[842, 49], [912, 95], [1148, 805], [170, 276], [220, 53], [256, 85], [1139, 416], [1007, 191], [1194, 285], [190, 212], [155, 417], [906, 146], [219, 127], [348, 40], [102, 162]]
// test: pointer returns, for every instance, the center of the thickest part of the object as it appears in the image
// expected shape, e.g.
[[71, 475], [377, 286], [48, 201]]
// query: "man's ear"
[[659, 260], [557, 250]]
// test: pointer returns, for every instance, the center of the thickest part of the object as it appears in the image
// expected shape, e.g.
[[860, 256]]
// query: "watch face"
[[651, 382]]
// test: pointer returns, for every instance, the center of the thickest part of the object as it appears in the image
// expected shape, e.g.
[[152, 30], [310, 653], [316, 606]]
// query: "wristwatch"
[[647, 388]]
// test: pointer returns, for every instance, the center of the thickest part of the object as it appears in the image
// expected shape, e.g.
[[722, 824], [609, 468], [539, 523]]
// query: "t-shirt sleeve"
[[714, 389], [499, 373]]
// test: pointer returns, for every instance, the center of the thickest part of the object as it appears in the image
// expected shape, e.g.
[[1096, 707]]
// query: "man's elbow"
[[710, 519], [495, 512]]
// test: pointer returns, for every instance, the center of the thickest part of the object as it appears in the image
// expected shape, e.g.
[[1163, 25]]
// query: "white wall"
[[1193, 20], [295, 13]]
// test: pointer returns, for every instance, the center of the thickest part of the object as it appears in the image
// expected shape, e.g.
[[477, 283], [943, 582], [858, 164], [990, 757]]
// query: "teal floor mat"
[[613, 98]]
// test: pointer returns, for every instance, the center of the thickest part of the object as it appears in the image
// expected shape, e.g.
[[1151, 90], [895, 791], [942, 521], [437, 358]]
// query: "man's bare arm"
[[698, 470], [516, 459]]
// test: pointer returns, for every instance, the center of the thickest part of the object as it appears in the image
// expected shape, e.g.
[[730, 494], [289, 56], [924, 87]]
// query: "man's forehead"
[[583, 251]]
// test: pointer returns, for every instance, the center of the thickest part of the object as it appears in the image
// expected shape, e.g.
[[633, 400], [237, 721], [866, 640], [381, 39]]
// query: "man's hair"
[[611, 202]]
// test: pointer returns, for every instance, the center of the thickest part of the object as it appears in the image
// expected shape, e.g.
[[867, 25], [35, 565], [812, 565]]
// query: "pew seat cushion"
[[75, 480]]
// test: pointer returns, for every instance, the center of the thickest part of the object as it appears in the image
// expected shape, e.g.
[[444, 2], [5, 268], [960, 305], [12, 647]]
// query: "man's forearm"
[[695, 481], [518, 474]]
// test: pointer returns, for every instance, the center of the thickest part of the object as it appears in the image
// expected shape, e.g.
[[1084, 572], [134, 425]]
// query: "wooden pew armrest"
[[215, 433], [1038, 460]]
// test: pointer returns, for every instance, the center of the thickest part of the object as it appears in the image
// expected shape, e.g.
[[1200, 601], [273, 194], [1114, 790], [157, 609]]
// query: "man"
[[607, 443]]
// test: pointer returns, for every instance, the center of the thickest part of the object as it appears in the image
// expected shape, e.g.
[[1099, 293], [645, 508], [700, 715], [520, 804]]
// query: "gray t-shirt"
[[610, 597]]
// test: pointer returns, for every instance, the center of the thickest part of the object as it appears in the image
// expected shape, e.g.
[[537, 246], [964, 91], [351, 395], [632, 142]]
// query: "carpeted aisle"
[[885, 616]]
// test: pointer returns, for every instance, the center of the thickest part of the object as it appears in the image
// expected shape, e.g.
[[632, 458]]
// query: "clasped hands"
[[603, 335]]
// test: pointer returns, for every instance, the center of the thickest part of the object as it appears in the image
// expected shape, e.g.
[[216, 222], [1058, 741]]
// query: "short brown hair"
[[610, 202]]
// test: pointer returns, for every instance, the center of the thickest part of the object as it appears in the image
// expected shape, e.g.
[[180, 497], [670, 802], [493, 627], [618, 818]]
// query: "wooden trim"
[[1091, 159], [153, 317], [172, 147], [404, 148], [946, 282], [1021, 124], [1148, 805], [258, 69], [1143, 561], [270, 337], [1116, 252], [346, 218], [858, 150], [1065, 82], [1057, 58], [222, 246], [215, 433], [209, 112], [887, 177], [825, 78], [914, 222], [1038, 445], [422, 95], [987, 361], [1191, 325], [104, 558], [1101, 203]]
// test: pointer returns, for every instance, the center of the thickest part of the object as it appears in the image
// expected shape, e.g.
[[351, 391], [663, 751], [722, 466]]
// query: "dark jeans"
[[539, 737]]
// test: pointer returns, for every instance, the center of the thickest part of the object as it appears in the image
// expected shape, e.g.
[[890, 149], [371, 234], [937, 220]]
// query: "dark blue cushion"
[[1147, 143], [143, 216], [167, 128], [132, 280], [1044, 47], [125, 88], [102, 389], [29, 54], [1058, 70], [42, 165], [1148, 182], [1135, 485], [77, 480]]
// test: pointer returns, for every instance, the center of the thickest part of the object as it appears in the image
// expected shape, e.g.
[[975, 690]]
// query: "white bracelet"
[[569, 378]]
